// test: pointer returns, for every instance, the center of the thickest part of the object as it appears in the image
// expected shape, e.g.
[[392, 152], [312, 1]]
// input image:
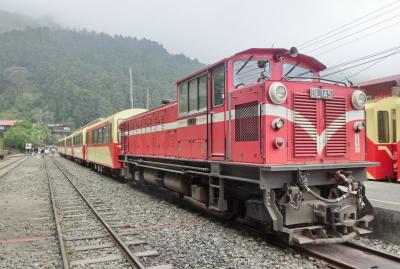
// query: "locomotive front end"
[[315, 155]]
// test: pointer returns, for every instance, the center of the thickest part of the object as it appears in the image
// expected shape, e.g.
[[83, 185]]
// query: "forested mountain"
[[11, 21], [54, 75]]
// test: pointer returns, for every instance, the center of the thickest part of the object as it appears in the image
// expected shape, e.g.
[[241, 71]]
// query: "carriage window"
[[394, 126], [193, 95], [250, 72], [203, 92], [218, 81], [105, 139], [109, 133], [183, 98], [95, 140], [383, 126]]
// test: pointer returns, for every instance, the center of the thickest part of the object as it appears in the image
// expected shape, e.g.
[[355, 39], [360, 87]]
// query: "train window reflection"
[[218, 81], [383, 127], [293, 70], [250, 72]]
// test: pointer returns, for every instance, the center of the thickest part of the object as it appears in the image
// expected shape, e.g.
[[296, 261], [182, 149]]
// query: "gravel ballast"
[[184, 238]]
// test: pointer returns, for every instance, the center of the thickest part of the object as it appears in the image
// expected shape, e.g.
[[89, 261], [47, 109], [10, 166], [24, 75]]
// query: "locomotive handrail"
[[319, 78]]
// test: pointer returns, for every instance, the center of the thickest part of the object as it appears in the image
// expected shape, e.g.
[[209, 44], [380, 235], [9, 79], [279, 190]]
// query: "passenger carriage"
[[382, 142], [79, 145], [61, 146], [68, 147], [102, 140], [382, 112]]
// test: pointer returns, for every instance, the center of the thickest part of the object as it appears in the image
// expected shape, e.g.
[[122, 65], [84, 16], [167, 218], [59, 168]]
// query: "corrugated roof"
[[7, 122], [394, 78]]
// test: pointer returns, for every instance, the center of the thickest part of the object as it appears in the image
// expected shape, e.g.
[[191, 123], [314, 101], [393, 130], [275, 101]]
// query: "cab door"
[[216, 141]]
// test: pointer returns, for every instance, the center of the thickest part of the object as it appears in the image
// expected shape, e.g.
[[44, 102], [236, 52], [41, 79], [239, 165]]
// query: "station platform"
[[385, 198], [383, 194]]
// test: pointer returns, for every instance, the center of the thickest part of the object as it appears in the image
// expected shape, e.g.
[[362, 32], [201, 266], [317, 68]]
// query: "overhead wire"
[[364, 69], [353, 66], [349, 28], [361, 58], [356, 39], [342, 26], [353, 33]]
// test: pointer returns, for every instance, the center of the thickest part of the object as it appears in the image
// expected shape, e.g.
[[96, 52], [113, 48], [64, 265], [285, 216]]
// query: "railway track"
[[9, 164], [349, 255], [84, 230], [352, 256]]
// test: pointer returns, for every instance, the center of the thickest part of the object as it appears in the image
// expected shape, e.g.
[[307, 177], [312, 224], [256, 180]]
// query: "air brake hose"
[[329, 201]]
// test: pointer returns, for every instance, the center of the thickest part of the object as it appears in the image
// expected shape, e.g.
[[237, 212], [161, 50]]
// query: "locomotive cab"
[[261, 136]]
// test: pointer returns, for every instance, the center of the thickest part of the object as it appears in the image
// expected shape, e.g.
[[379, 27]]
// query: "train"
[[258, 136], [383, 140], [97, 144]]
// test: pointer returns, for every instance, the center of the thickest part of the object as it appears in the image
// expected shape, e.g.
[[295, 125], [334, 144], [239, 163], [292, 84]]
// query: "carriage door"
[[217, 114]]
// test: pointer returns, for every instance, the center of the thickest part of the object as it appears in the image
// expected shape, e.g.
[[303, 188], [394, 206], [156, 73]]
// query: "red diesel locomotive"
[[260, 136]]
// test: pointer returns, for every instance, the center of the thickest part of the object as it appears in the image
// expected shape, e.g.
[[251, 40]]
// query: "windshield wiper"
[[245, 63], [290, 70]]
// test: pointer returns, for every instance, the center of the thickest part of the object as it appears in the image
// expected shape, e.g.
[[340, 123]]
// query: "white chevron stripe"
[[323, 138]]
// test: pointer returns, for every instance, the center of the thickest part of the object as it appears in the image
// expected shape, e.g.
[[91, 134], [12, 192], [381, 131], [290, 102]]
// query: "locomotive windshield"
[[250, 72], [290, 70]]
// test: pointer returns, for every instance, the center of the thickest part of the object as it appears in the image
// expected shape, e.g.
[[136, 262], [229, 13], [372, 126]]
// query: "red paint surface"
[[20, 240], [385, 170]]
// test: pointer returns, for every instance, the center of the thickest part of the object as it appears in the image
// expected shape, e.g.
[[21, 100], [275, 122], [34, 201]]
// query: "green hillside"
[[74, 77], [12, 21]]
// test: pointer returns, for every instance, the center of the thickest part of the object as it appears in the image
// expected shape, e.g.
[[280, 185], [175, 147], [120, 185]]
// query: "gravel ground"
[[184, 238], [380, 245], [25, 213]]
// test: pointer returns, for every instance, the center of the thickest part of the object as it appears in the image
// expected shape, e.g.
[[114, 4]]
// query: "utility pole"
[[147, 99], [131, 86]]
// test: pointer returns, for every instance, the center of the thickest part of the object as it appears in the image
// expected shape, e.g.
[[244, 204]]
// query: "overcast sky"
[[210, 30]]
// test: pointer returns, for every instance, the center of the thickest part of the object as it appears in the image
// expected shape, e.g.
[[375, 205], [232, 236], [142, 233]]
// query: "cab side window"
[[183, 98], [383, 127], [218, 84], [193, 95]]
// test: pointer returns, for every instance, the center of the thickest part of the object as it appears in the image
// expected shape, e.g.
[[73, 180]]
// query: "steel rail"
[[17, 162], [56, 219], [351, 256], [132, 258], [374, 251], [366, 257]]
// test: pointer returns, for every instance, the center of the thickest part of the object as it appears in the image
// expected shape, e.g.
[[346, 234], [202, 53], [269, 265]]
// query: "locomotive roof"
[[311, 61]]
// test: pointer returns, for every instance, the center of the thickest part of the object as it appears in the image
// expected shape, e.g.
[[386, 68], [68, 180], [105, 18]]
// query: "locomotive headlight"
[[277, 123], [359, 126], [277, 93], [358, 99]]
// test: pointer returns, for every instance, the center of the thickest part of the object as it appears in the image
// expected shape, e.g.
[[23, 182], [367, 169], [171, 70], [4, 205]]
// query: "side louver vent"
[[246, 122], [305, 122], [122, 136], [335, 113]]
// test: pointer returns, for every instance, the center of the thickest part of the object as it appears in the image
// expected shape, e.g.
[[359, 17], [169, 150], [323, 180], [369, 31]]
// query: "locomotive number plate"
[[321, 93]]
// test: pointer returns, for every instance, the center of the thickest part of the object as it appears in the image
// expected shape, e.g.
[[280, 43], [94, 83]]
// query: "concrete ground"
[[384, 194], [385, 198]]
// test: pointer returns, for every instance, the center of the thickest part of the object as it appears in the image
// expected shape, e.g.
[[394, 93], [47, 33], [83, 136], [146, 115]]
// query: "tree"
[[25, 132], [77, 76]]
